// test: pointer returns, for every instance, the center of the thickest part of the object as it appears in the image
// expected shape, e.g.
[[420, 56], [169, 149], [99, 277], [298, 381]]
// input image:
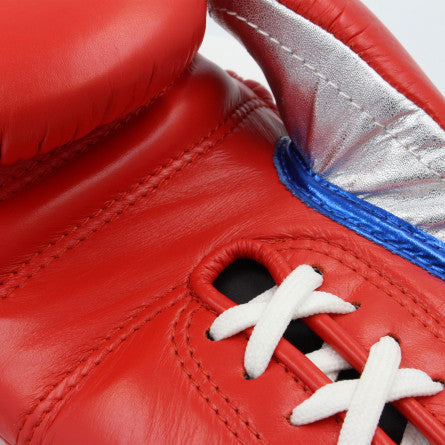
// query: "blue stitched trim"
[[372, 222]]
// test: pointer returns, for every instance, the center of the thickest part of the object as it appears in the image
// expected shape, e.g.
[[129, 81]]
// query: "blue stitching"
[[418, 257], [379, 215], [310, 198]]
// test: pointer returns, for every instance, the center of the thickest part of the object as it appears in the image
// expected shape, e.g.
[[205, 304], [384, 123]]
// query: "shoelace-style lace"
[[381, 381]]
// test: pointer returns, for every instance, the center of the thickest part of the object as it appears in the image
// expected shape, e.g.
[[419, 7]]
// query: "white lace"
[[381, 381]]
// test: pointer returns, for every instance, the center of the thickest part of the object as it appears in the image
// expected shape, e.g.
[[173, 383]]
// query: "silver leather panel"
[[353, 128]]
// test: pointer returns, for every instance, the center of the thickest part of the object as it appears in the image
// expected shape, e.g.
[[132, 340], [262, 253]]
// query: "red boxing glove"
[[140, 187]]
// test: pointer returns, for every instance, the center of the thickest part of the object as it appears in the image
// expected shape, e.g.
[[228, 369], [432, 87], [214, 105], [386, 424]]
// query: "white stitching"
[[322, 76]]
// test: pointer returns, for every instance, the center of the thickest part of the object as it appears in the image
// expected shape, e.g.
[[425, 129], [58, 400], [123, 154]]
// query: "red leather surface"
[[104, 63], [351, 22], [105, 295]]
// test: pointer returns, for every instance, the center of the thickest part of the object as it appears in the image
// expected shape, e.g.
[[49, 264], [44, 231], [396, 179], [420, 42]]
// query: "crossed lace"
[[364, 398]]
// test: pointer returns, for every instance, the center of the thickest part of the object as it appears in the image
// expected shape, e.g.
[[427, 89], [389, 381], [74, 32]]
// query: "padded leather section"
[[356, 26], [388, 305], [69, 67], [103, 295], [62, 212]]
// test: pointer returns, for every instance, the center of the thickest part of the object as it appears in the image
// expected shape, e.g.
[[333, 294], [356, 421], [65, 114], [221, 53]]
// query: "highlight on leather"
[[342, 103], [70, 67], [115, 246]]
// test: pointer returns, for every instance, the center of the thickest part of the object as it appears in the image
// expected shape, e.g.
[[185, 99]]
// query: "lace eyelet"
[[395, 337], [356, 304], [318, 269], [289, 421], [208, 335], [247, 377]]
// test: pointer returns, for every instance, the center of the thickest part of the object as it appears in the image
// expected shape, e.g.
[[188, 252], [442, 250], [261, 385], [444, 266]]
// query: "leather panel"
[[104, 63], [107, 323]]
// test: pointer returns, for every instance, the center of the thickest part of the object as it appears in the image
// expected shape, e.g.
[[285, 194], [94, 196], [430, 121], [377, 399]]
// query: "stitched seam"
[[347, 220], [255, 104], [30, 168], [310, 199], [224, 396], [210, 309], [375, 284], [311, 249], [107, 352], [398, 85], [414, 300], [382, 216], [196, 384], [376, 234], [38, 175], [334, 86], [286, 369], [377, 214], [115, 125], [255, 88], [91, 351], [330, 187]]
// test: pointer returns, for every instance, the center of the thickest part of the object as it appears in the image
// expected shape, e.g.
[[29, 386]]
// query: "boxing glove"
[[147, 195]]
